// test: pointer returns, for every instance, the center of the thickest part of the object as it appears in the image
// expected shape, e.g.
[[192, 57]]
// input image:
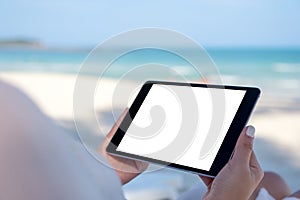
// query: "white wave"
[[287, 67], [40, 66], [183, 70], [289, 84]]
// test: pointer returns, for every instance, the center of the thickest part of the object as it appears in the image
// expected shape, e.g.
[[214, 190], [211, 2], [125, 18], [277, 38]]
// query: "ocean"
[[275, 70]]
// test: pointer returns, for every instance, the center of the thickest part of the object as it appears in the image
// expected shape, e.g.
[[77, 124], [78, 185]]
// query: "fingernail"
[[250, 131]]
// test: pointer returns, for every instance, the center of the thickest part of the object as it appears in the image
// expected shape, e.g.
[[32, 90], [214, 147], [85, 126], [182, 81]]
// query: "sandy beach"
[[276, 120]]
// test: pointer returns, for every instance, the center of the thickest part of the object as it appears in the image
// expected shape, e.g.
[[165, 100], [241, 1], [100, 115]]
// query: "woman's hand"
[[127, 169], [240, 176]]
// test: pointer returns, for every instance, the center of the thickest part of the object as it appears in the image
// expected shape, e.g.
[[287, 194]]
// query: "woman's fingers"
[[112, 132], [244, 154], [244, 146], [255, 167], [206, 180], [116, 125]]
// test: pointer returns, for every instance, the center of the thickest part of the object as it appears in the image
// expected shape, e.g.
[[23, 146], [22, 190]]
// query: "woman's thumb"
[[244, 145]]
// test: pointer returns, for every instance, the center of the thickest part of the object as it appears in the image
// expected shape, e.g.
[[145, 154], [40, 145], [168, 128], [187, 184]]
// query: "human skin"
[[240, 176], [127, 169]]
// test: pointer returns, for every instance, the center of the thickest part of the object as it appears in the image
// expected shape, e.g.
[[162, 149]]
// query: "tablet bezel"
[[238, 123]]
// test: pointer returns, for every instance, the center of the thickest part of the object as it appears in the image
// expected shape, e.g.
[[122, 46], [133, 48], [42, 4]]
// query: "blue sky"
[[211, 23]]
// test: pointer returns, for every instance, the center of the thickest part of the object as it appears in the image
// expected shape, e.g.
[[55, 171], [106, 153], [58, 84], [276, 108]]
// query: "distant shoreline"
[[21, 43]]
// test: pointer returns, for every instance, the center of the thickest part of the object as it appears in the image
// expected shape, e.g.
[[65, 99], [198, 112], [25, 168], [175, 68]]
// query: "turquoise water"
[[274, 70]]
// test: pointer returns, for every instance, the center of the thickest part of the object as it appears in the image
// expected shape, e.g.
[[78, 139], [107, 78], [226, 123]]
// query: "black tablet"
[[187, 126]]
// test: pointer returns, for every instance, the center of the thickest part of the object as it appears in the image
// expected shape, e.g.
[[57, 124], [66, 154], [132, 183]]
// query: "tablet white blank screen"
[[164, 96]]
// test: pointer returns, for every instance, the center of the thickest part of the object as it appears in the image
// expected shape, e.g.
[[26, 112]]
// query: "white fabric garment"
[[265, 195], [39, 160]]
